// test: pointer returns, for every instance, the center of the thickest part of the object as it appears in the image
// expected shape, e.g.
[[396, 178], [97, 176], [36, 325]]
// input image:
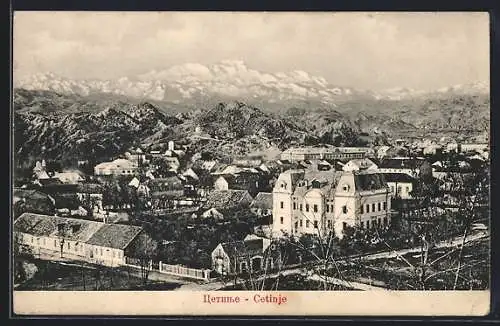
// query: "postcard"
[[251, 163]]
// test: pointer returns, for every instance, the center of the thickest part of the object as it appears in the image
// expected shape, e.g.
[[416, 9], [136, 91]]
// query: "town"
[[401, 216]]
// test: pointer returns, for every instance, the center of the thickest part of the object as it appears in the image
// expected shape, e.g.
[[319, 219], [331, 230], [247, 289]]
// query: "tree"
[[145, 248]]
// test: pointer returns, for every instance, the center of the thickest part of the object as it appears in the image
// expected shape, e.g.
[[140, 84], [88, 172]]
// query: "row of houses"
[[77, 239]]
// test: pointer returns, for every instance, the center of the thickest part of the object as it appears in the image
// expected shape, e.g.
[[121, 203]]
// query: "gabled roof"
[[117, 236], [263, 200], [46, 225], [244, 248]]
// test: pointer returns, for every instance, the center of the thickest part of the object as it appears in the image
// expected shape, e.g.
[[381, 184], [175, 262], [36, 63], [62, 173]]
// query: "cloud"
[[379, 50]]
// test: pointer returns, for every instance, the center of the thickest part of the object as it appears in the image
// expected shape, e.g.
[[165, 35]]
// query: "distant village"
[[109, 217]]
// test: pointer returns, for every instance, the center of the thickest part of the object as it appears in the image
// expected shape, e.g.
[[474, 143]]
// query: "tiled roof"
[[225, 198], [244, 248], [263, 200], [46, 225], [398, 177], [90, 188], [116, 236], [369, 181]]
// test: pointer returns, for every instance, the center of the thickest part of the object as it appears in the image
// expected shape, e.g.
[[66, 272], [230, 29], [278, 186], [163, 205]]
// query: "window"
[[329, 224], [362, 225], [69, 246], [344, 225], [315, 208], [344, 209], [307, 223], [294, 205], [301, 207], [385, 206], [367, 224], [315, 224], [379, 222], [281, 219], [407, 189], [392, 189], [373, 207], [327, 208], [399, 189], [296, 225], [281, 204], [345, 187], [362, 210], [368, 208], [385, 220], [307, 207], [379, 208], [331, 208], [55, 243]]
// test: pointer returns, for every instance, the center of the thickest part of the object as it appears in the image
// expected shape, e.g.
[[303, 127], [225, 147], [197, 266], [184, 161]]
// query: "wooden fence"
[[177, 270], [201, 274]]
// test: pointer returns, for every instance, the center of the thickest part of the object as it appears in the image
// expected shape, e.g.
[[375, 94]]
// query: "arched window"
[[344, 209]]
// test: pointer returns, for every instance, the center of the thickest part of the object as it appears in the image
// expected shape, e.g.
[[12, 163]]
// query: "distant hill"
[[69, 126]]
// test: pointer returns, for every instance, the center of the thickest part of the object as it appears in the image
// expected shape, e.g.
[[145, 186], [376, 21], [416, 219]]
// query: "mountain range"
[[238, 110], [194, 84]]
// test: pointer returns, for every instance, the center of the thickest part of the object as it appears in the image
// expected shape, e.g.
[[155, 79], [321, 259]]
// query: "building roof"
[[49, 181], [243, 248], [59, 188], [369, 181], [118, 163], [263, 200], [69, 200], [226, 198], [68, 175], [116, 236], [398, 177], [168, 194], [46, 225], [401, 163], [90, 188]]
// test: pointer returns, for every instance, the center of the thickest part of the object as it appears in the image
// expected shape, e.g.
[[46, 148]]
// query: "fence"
[[177, 270], [201, 274]]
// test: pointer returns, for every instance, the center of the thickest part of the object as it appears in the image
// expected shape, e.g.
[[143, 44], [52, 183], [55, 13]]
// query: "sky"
[[363, 50]]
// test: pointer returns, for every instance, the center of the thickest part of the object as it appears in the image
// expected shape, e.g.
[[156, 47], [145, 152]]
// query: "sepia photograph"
[[274, 163]]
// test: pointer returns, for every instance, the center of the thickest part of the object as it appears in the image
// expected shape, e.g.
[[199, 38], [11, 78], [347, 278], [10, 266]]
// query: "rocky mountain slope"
[[78, 136]]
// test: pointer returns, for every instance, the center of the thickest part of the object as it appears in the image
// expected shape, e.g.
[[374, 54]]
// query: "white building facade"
[[318, 202]]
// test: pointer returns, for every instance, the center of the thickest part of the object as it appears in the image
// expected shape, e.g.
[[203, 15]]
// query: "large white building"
[[321, 153], [117, 167], [317, 202]]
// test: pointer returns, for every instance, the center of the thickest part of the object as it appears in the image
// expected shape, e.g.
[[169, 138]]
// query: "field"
[[72, 277]]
